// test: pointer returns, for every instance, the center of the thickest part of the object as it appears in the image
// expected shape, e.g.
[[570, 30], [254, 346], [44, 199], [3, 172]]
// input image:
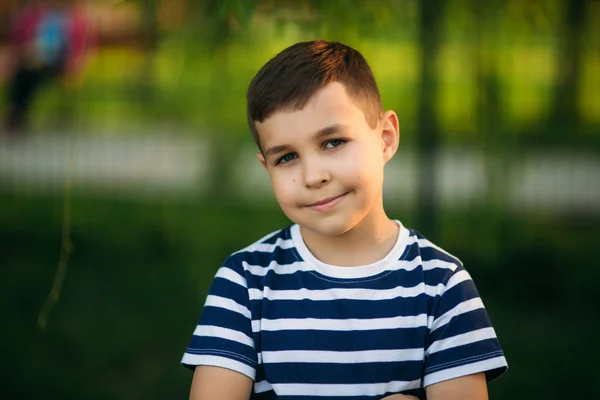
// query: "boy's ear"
[[262, 160], [390, 134]]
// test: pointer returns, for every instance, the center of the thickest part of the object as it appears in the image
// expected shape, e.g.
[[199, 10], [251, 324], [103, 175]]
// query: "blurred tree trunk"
[[149, 43], [564, 115], [428, 134], [224, 19], [497, 147]]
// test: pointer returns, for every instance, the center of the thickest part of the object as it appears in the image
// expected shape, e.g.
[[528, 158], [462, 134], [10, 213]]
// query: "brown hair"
[[292, 77]]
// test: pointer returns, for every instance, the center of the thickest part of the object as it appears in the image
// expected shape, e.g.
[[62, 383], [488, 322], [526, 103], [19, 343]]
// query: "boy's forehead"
[[331, 105]]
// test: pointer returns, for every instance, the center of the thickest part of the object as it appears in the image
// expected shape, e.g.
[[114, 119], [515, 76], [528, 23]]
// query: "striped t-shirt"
[[303, 329]]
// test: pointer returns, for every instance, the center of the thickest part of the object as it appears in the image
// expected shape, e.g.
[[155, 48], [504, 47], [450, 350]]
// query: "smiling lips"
[[327, 204]]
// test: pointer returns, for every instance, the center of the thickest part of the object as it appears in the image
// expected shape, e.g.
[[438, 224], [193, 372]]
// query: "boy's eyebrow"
[[329, 130]]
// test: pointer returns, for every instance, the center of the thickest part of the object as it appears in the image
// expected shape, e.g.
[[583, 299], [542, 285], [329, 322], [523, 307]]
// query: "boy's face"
[[326, 163]]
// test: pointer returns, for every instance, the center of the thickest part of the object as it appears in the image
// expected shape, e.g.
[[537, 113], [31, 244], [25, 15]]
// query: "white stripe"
[[346, 294], [256, 294], [231, 275], [262, 386], [219, 361], [427, 243], [343, 357], [463, 370], [350, 324], [260, 241], [430, 320], [224, 333], [279, 269], [228, 304], [339, 390], [461, 340], [433, 264], [457, 278], [418, 262], [259, 245], [462, 308], [404, 265], [270, 247], [283, 269]]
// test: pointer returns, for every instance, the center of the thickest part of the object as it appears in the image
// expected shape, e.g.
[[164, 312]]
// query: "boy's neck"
[[368, 242]]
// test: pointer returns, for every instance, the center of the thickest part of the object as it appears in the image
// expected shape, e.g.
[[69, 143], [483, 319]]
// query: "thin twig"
[[66, 249]]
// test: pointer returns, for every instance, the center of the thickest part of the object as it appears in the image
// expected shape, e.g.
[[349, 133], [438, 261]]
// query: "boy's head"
[[316, 116], [291, 78]]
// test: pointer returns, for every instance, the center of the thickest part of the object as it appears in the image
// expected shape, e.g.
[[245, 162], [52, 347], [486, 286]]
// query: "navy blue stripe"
[[215, 316], [315, 281], [335, 373], [225, 288], [272, 239], [262, 258], [413, 251], [343, 309], [290, 256], [260, 373], [455, 295], [430, 252], [286, 233], [380, 339], [463, 323], [434, 277]]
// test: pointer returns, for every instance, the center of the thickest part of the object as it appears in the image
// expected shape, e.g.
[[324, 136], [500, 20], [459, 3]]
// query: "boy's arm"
[[215, 383], [221, 351], [469, 387]]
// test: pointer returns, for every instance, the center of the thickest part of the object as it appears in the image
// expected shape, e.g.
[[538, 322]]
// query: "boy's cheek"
[[362, 171], [284, 190]]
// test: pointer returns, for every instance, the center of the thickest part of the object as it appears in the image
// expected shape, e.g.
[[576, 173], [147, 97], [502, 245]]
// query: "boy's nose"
[[315, 175]]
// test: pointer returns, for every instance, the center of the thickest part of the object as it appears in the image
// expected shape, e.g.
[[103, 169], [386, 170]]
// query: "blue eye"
[[286, 158], [331, 144]]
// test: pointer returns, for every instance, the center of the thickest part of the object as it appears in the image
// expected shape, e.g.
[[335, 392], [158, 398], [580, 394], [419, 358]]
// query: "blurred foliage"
[[203, 54]]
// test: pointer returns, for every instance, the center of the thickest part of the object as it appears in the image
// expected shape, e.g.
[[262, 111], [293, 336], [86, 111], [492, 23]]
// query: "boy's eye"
[[286, 158], [334, 143]]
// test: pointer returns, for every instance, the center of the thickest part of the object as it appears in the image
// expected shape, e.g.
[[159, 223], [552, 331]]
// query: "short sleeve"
[[223, 336], [462, 340]]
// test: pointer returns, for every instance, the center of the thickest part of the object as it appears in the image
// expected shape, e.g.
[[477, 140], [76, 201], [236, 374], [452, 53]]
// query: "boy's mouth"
[[325, 204]]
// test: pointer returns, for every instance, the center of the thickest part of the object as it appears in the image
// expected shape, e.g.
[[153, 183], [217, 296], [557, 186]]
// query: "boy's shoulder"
[[427, 250], [439, 268], [277, 245]]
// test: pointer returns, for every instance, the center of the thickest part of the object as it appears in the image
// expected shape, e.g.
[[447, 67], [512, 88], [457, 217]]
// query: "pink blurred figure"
[[48, 41]]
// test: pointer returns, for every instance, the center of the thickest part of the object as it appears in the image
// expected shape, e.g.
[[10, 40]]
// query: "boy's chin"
[[327, 227]]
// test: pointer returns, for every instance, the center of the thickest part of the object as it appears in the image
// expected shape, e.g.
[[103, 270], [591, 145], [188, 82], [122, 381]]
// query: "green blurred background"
[[138, 178]]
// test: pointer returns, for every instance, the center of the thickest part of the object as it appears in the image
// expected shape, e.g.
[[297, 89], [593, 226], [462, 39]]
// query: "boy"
[[346, 303]]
